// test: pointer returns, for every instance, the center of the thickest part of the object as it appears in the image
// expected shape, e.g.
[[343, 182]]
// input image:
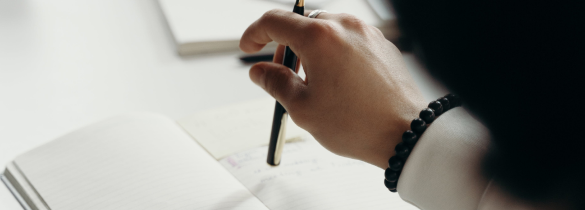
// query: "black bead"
[[445, 102], [390, 185], [455, 100], [427, 115], [418, 126], [391, 176], [395, 163], [410, 138], [402, 150], [393, 190], [437, 107]]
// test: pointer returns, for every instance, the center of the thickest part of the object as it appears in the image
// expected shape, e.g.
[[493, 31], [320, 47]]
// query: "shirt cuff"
[[443, 170]]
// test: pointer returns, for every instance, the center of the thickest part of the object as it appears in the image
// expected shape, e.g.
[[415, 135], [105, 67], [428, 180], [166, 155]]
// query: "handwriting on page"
[[311, 177]]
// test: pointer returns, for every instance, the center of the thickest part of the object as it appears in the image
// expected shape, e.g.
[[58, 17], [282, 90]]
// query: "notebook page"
[[227, 130], [139, 161], [311, 177]]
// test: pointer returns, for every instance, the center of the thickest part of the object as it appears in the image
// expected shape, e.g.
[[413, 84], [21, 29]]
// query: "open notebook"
[[147, 161]]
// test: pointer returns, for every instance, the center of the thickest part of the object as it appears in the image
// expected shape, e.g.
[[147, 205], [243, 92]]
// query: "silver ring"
[[316, 13]]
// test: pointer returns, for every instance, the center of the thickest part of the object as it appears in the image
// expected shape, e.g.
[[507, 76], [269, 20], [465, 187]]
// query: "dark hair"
[[520, 68]]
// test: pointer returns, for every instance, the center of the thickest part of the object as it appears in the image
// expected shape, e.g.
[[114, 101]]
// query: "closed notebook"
[[203, 26], [148, 161]]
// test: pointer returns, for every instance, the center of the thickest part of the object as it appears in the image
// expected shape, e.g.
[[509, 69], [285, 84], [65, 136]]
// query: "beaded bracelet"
[[410, 137]]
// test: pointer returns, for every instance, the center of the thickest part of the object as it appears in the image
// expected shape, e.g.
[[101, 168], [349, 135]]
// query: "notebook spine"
[[15, 193], [24, 193]]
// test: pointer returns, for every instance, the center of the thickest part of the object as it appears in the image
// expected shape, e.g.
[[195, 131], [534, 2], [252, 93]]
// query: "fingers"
[[276, 25], [285, 28], [280, 82], [279, 56], [293, 30]]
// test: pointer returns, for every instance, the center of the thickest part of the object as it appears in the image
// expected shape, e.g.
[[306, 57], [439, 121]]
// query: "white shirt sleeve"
[[443, 171]]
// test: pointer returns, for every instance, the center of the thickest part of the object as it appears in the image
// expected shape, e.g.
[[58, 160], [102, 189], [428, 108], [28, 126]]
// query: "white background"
[[65, 64]]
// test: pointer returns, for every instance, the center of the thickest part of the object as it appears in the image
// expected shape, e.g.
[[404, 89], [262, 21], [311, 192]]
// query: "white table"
[[65, 64]]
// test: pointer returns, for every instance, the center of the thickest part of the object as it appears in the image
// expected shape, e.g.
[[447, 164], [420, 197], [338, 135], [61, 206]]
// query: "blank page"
[[132, 162], [311, 177]]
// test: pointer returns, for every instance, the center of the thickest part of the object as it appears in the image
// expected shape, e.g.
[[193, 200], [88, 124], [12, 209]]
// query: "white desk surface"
[[65, 64]]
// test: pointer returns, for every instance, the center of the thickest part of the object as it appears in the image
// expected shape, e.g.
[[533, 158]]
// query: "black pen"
[[278, 131], [257, 58]]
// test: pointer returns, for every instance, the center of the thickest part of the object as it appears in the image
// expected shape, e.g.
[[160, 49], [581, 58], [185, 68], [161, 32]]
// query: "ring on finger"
[[316, 13]]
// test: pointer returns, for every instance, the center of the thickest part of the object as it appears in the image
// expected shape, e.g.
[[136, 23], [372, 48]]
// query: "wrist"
[[410, 137], [391, 135]]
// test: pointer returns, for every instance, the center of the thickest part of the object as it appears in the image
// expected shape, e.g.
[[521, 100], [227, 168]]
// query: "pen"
[[277, 134], [257, 58]]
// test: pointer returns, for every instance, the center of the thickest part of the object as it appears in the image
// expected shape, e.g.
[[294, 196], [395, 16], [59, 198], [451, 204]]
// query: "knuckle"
[[377, 32], [350, 20], [354, 23], [270, 15], [392, 48], [321, 30]]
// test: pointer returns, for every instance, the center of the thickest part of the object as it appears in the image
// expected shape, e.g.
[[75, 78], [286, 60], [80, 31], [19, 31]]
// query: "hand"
[[358, 97]]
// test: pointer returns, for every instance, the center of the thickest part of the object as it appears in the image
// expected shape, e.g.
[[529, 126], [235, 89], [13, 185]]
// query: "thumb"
[[279, 81]]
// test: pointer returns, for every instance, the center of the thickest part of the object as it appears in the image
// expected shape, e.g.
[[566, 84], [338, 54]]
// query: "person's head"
[[520, 68]]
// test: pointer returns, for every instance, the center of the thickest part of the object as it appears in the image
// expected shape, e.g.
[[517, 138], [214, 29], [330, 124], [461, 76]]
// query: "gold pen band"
[[301, 3]]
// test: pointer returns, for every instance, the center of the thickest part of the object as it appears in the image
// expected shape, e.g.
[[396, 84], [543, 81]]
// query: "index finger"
[[284, 27]]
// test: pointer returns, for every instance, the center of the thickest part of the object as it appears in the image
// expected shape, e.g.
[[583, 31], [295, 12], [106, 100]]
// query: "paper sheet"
[[226, 130], [132, 162], [311, 177]]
